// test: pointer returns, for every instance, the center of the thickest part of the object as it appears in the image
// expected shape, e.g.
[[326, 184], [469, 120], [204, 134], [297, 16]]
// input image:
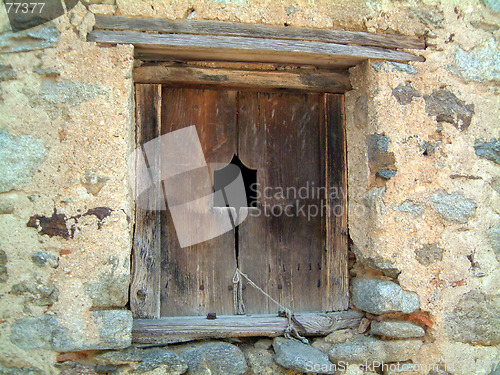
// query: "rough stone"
[[261, 362], [263, 344], [109, 290], [120, 357], [481, 64], [404, 94], [361, 111], [429, 253], [494, 236], [38, 294], [373, 199], [7, 73], [388, 66], [104, 9], [378, 156], [20, 157], [488, 150], [493, 5], [379, 297], [215, 357], [297, 356], [46, 72], [428, 148], [115, 328], [453, 207], [386, 174], [495, 185], [32, 39], [8, 202], [93, 182], [19, 371], [365, 349], [162, 361], [475, 320], [45, 332], [379, 263], [410, 207], [428, 15], [396, 329], [448, 108], [41, 259], [340, 336], [3, 267]]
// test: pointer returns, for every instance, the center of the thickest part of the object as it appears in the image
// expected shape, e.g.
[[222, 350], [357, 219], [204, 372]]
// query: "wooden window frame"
[[212, 41]]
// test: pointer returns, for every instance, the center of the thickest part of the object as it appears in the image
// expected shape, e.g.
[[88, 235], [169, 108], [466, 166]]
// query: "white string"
[[239, 306]]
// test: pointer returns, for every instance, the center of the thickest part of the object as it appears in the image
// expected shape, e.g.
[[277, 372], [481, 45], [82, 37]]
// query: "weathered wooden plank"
[[315, 81], [336, 293], [181, 329], [280, 249], [232, 48], [257, 31], [145, 286], [196, 279]]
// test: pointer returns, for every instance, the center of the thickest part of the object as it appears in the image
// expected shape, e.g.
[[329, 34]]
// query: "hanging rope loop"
[[239, 306]]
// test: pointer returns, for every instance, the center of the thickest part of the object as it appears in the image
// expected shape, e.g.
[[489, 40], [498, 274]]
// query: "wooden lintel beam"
[[182, 329], [297, 79], [161, 25]]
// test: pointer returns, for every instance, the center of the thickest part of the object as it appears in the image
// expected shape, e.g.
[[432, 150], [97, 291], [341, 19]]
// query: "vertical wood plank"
[[280, 249], [336, 292], [196, 280], [145, 286]]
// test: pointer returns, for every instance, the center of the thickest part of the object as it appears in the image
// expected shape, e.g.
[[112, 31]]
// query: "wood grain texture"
[[181, 329], [280, 249], [336, 293], [316, 81], [257, 31], [145, 286], [196, 279], [235, 48]]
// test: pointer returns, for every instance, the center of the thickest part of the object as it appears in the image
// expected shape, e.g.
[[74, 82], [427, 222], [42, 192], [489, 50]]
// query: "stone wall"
[[424, 185]]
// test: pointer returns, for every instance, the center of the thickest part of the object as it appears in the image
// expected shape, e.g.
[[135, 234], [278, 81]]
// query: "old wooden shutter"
[[294, 140]]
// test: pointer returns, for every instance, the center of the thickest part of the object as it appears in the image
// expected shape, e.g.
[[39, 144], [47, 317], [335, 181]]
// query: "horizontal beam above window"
[[185, 40]]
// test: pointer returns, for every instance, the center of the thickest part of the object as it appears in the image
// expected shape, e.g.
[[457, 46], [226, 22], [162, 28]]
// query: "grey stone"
[[406, 68], [45, 332], [109, 290], [427, 148], [41, 259], [7, 73], [3, 267], [448, 108], [163, 360], [410, 207], [429, 15], [115, 328], [493, 5], [46, 72], [453, 207], [8, 202], [378, 156], [20, 157], [373, 199], [214, 357], [429, 253], [379, 263], [379, 297], [261, 362], [361, 111], [366, 350], [495, 185], [340, 336], [300, 357], [396, 329], [481, 64], [32, 39], [120, 357], [404, 94], [494, 236], [488, 150], [263, 344], [386, 174], [19, 371], [496, 369], [475, 320], [38, 294]]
